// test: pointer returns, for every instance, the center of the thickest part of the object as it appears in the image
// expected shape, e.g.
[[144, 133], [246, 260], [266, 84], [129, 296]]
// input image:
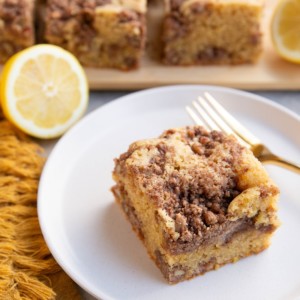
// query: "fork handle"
[[281, 162]]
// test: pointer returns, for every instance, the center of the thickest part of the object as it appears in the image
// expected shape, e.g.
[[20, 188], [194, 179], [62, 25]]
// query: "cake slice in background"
[[212, 31], [16, 26], [99, 33], [197, 199]]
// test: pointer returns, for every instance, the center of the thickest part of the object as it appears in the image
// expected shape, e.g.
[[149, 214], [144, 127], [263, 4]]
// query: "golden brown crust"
[[190, 191], [223, 239], [96, 31], [195, 186], [212, 32], [16, 26]]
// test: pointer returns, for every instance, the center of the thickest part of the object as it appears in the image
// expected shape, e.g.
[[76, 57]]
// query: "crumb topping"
[[16, 17], [190, 173], [66, 8]]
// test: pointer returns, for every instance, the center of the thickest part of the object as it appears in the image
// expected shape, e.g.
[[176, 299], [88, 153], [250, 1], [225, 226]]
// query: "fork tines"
[[210, 113]]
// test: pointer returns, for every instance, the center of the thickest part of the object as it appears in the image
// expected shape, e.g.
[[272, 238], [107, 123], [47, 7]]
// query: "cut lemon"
[[285, 29], [43, 90]]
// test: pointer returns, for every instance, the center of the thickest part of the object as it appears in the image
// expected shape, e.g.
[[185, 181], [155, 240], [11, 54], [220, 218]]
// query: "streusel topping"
[[188, 172], [67, 8]]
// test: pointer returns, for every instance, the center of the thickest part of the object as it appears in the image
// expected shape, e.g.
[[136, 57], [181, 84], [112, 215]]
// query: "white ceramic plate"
[[89, 236]]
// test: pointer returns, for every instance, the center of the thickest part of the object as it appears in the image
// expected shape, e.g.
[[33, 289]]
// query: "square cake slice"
[[212, 31], [197, 199], [100, 33], [16, 27]]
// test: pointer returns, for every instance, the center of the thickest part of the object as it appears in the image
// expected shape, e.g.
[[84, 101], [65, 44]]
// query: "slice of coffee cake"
[[197, 199], [16, 27], [100, 33], [212, 31]]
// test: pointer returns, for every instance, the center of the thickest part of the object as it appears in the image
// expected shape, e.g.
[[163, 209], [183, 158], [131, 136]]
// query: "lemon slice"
[[43, 90], [285, 29]]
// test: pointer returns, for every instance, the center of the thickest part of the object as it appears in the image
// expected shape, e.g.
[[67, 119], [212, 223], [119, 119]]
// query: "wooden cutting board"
[[270, 73]]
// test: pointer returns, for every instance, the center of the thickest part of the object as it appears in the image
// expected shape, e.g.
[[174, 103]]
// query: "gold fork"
[[210, 113]]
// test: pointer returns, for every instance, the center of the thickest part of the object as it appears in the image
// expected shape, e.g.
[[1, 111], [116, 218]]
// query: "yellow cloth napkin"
[[27, 268]]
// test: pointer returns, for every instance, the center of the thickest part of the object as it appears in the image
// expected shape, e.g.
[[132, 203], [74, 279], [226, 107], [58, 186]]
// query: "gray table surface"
[[290, 100]]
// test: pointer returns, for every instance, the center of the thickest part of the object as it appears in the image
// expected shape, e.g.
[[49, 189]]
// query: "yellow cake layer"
[[157, 207]]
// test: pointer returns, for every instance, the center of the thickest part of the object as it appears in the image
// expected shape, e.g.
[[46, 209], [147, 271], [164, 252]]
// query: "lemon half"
[[285, 29], [43, 90]]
